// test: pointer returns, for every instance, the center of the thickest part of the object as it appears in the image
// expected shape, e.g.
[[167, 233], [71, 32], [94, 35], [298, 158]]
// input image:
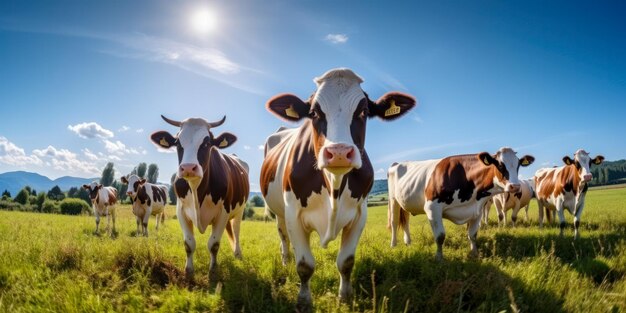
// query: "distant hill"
[[609, 173], [380, 186], [15, 181]]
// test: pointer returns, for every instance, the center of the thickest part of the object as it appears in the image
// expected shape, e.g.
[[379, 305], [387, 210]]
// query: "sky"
[[83, 83]]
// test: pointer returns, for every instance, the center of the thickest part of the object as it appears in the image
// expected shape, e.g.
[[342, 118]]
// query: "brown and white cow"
[[103, 200], [147, 199], [455, 188], [565, 187], [512, 200], [212, 188], [316, 177]]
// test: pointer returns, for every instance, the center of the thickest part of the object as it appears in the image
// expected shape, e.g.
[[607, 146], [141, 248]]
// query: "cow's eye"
[[314, 114], [362, 115]]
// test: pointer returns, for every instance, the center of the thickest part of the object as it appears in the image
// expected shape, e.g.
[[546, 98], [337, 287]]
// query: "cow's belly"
[[208, 212], [462, 214], [157, 208], [139, 210], [274, 198], [102, 210]]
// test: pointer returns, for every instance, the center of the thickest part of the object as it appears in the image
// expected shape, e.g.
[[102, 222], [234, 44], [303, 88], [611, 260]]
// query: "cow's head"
[[193, 143], [507, 166], [134, 182], [583, 162], [93, 189], [338, 111]]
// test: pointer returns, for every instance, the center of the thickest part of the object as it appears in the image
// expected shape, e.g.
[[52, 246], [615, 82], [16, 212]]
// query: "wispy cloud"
[[11, 154], [90, 130], [403, 155], [336, 38], [119, 148], [246, 147], [549, 140], [123, 129], [140, 130]]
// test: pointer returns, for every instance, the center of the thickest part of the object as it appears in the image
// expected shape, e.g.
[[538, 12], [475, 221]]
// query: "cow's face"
[[193, 143], [338, 111], [507, 166], [93, 189], [134, 182], [583, 162]]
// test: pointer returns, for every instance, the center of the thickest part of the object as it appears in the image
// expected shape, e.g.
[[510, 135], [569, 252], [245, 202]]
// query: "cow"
[[512, 200], [212, 187], [315, 178], [103, 200], [565, 187], [147, 199], [455, 188]]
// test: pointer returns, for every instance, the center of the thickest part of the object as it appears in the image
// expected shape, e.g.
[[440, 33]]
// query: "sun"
[[203, 21]]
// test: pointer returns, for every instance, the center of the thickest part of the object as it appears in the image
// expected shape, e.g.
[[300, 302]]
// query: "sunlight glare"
[[203, 21]]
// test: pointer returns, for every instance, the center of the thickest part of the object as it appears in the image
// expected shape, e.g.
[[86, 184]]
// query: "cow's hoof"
[[346, 295], [473, 254], [189, 274], [304, 304]]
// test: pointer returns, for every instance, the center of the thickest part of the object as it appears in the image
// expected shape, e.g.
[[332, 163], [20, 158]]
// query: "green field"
[[54, 263]]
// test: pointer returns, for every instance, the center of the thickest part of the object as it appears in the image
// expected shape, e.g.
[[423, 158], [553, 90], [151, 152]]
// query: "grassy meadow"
[[54, 263]]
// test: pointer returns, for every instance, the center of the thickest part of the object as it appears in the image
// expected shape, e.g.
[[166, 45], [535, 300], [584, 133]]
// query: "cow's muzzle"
[[189, 170], [338, 157], [587, 178]]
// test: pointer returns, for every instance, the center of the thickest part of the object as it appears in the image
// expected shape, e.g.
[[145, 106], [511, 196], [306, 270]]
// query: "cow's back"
[[408, 181]]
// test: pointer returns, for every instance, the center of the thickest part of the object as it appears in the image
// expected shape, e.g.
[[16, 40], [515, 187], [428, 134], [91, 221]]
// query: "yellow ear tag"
[[291, 112], [164, 142], [393, 109], [224, 143], [525, 162], [486, 161]]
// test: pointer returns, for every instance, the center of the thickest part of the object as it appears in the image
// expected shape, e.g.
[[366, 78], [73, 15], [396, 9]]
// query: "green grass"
[[53, 263]]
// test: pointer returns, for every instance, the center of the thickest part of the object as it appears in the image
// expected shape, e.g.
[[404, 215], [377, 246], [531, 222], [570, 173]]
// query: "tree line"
[[609, 173]]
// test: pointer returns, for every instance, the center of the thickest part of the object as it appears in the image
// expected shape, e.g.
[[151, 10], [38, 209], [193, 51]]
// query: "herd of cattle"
[[316, 177]]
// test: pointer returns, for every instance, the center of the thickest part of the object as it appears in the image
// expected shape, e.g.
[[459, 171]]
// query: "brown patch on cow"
[[112, 196], [270, 166], [464, 173], [224, 179], [567, 180], [158, 194], [142, 195], [545, 184]]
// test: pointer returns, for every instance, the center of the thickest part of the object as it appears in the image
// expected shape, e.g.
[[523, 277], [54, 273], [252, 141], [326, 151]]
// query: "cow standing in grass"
[[212, 188], [147, 199], [316, 178], [512, 201], [103, 200], [455, 188], [565, 187]]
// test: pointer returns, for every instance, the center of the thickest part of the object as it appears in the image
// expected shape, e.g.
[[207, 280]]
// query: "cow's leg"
[[526, 219], [579, 212], [138, 219], [217, 229], [345, 259], [113, 212], [472, 233], [514, 213], [404, 222], [501, 213], [190, 241], [434, 212], [560, 211], [284, 239], [540, 206], [485, 213], [157, 217], [97, 221], [108, 229], [305, 263], [394, 220], [146, 219], [235, 225]]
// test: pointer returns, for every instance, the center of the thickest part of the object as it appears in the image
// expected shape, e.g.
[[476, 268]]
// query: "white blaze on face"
[[582, 157], [131, 185], [191, 136], [338, 95], [509, 158]]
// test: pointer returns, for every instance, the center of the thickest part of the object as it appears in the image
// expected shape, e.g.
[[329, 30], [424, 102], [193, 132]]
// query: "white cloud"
[[123, 129], [67, 161], [140, 130], [337, 38], [261, 147], [245, 147], [14, 155], [90, 155], [90, 130], [119, 148]]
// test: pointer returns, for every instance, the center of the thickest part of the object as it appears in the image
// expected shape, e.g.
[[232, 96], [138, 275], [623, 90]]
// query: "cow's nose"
[[588, 177], [188, 169], [512, 188], [339, 155]]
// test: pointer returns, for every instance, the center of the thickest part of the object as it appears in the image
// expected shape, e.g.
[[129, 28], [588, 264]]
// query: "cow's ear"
[[224, 140], [86, 186], [391, 106], [124, 180], [487, 159], [598, 160], [567, 160], [288, 107], [163, 139], [526, 160], [142, 181]]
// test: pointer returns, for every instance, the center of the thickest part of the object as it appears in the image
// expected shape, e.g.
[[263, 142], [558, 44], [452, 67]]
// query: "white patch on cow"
[[192, 133], [509, 158], [584, 159], [338, 95]]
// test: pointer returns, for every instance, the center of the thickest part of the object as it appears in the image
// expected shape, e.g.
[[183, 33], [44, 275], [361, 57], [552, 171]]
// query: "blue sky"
[[543, 78]]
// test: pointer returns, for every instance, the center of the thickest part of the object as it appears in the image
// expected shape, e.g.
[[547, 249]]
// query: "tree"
[[56, 194], [108, 175], [153, 173], [22, 196], [121, 190], [6, 195], [33, 192], [41, 198], [141, 169], [172, 192], [257, 201]]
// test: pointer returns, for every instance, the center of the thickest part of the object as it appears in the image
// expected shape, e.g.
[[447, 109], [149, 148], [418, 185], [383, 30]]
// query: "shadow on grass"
[[420, 284]]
